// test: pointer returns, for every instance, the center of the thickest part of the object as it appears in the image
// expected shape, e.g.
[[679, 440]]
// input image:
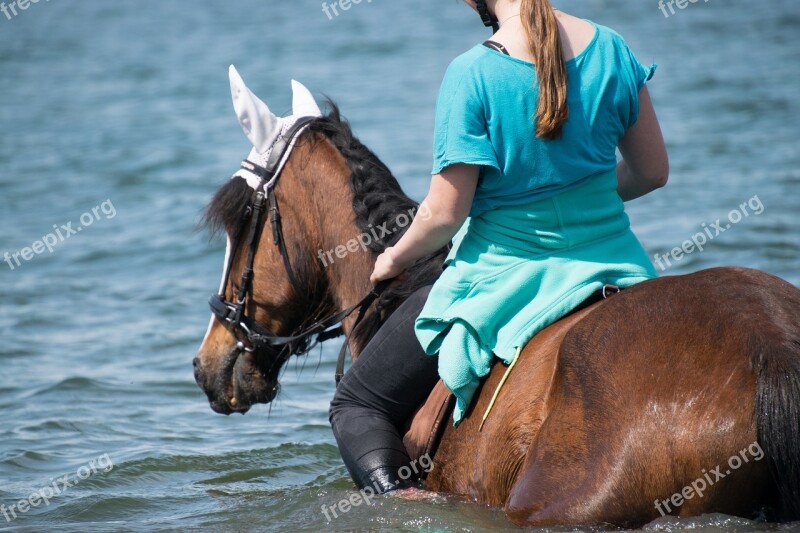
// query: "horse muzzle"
[[236, 384]]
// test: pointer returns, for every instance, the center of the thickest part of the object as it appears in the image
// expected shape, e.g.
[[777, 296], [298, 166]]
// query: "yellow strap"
[[500, 386]]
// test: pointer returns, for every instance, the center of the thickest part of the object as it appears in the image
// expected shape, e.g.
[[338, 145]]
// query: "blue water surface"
[[124, 108]]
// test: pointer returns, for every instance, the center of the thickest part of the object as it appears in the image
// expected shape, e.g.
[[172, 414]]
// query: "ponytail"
[[544, 42]]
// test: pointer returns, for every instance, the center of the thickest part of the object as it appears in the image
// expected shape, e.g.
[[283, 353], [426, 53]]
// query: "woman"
[[527, 186]]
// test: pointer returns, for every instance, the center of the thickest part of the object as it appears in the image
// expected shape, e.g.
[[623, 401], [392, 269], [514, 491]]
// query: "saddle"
[[424, 430]]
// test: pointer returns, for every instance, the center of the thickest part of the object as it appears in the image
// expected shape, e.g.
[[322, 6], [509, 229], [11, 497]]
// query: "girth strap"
[[605, 293]]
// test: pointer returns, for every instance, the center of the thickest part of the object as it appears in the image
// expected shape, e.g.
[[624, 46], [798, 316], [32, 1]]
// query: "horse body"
[[607, 413], [627, 403]]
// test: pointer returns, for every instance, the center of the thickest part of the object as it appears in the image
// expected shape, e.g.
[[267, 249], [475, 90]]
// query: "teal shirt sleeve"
[[641, 75], [460, 133]]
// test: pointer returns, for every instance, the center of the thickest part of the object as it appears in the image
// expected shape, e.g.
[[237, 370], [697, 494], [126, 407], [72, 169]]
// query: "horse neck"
[[322, 199]]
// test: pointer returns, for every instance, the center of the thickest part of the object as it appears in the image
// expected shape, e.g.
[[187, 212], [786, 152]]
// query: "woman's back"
[[488, 105]]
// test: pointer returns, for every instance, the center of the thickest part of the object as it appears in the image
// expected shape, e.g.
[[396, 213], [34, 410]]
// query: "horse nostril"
[[198, 372]]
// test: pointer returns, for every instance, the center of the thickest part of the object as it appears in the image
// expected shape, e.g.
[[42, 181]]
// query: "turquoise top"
[[547, 227], [485, 116], [515, 270]]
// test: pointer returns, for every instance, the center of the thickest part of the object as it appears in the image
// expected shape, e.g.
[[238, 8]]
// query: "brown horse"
[[678, 396]]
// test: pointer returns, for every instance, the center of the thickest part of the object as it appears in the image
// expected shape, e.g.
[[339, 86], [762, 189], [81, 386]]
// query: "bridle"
[[251, 336], [488, 20]]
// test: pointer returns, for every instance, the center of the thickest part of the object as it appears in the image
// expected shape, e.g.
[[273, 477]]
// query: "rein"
[[251, 336]]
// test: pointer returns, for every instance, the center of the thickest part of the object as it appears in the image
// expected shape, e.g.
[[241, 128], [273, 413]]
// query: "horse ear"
[[303, 103], [260, 125]]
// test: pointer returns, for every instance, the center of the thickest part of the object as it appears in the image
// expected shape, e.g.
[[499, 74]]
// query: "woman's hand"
[[386, 267]]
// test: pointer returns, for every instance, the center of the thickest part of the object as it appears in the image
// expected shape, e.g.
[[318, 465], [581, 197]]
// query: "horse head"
[[328, 207], [232, 372]]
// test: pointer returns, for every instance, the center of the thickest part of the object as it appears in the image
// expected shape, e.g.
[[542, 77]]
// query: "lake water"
[[116, 118]]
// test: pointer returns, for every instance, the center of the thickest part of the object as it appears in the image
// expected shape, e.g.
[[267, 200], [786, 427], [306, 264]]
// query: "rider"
[[527, 185]]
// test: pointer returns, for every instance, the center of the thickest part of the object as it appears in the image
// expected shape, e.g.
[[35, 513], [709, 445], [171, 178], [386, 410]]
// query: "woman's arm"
[[645, 163], [439, 217]]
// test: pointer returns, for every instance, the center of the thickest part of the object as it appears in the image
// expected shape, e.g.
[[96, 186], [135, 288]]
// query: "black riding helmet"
[[488, 19]]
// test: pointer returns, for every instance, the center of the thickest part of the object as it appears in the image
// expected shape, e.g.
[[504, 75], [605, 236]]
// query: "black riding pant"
[[388, 381]]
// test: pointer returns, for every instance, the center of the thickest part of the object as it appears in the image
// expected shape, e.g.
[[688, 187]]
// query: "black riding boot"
[[382, 389]]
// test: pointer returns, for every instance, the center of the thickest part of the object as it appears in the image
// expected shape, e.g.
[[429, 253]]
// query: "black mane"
[[377, 199]]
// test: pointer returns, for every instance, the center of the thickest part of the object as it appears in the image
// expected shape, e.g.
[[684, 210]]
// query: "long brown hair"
[[544, 42]]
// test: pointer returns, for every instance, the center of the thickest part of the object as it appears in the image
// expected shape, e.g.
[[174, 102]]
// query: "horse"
[[678, 396]]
